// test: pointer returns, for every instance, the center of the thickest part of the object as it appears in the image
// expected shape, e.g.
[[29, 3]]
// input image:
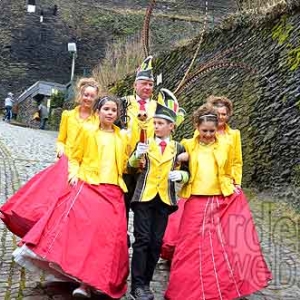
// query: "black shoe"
[[139, 294], [149, 292]]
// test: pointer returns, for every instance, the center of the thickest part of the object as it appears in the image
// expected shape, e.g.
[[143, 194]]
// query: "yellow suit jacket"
[[84, 161], [153, 179], [70, 125], [135, 125], [223, 154]]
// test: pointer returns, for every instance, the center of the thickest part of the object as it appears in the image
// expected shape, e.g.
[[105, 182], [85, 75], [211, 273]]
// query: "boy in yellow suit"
[[154, 197]]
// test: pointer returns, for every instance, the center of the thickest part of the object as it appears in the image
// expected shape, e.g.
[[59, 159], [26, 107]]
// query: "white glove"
[[141, 149], [175, 176]]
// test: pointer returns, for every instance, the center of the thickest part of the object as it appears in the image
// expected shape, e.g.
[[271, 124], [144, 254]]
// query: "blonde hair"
[[82, 84], [221, 101]]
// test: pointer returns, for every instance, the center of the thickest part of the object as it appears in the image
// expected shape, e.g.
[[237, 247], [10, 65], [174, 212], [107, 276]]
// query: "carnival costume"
[[231, 136], [218, 254], [154, 197], [82, 236], [139, 119]]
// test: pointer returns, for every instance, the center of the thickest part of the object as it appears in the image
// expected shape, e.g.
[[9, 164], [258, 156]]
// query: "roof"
[[41, 88]]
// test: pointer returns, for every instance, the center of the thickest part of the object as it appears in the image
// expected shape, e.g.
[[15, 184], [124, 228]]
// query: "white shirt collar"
[[138, 98]]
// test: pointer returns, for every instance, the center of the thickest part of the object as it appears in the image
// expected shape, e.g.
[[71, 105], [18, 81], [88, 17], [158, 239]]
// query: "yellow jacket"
[[84, 161], [223, 155], [233, 136], [70, 125], [153, 179], [135, 125]]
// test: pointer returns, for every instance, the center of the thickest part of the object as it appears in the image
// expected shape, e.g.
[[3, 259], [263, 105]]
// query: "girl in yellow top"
[[32, 201], [217, 255], [84, 235], [224, 109]]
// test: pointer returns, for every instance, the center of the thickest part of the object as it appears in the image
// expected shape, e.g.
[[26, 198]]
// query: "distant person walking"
[[9, 101], [44, 115]]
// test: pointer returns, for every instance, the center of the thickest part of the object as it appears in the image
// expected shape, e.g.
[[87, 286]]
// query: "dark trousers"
[[8, 113], [43, 123], [150, 222]]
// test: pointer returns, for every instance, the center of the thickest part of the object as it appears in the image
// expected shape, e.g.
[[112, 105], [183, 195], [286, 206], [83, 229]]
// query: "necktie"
[[162, 145], [142, 104]]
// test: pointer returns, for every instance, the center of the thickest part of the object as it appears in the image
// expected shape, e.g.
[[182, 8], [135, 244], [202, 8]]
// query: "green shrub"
[[57, 99]]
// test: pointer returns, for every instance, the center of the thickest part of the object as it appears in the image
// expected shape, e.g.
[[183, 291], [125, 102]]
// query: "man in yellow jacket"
[[154, 197], [139, 110]]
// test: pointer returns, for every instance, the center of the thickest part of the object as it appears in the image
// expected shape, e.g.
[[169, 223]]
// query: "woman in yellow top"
[[33, 199], [84, 236], [217, 255], [224, 108]]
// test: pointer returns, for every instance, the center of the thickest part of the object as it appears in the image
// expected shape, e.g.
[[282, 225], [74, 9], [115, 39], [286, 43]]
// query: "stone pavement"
[[23, 152]]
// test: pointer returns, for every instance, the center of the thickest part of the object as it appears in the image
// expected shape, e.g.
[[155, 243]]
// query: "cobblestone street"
[[23, 152]]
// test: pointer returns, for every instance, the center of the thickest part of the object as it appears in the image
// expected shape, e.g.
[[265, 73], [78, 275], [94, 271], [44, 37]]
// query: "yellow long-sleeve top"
[[70, 125], [108, 166], [233, 136], [99, 157], [135, 125], [219, 162], [206, 180]]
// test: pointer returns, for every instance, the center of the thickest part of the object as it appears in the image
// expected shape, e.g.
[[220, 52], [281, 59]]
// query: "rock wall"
[[266, 103], [31, 50]]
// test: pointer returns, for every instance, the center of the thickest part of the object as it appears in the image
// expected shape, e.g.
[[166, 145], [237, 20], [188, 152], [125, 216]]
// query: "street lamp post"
[[73, 50]]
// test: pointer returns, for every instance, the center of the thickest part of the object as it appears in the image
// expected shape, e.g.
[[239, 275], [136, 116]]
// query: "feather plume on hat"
[[145, 71], [168, 107]]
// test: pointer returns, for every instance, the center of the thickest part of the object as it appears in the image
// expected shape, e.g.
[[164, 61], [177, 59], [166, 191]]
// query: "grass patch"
[[121, 59]]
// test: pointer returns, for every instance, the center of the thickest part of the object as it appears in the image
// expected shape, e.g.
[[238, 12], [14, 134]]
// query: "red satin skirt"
[[82, 236], [171, 233], [22, 210], [218, 254]]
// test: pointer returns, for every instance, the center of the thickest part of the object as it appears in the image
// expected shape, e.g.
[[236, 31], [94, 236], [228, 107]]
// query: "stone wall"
[[32, 51], [266, 104], [26, 111]]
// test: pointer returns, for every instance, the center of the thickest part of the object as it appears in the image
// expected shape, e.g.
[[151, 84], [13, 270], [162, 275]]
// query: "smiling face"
[[162, 128], [207, 132], [88, 97], [108, 113], [144, 88], [223, 116]]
